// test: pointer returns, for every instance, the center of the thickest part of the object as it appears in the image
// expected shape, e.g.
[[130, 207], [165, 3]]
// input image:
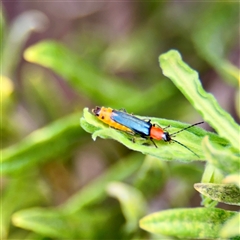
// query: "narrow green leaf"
[[86, 78], [213, 38], [43, 144], [30, 235], [39, 95], [69, 220], [132, 203], [56, 224], [203, 223], [81, 76], [211, 174], [231, 227], [152, 169], [220, 157], [14, 198], [232, 179], [187, 80], [23, 235], [226, 193], [96, 190], [165, 151]]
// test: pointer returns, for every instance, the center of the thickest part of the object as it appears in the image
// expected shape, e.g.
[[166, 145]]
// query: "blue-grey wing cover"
[[135, 124]]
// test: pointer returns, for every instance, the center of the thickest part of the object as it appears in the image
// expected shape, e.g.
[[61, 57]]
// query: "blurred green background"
[[59, 57]]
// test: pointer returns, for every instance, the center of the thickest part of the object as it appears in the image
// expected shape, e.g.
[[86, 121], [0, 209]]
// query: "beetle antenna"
[[185, 147], [172, 135]]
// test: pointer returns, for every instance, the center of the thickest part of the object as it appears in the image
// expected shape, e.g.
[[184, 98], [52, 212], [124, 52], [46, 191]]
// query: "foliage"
[[45, 148], [177, 223]]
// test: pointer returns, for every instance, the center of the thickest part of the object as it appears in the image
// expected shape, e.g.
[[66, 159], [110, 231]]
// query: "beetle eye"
[[96, 111]]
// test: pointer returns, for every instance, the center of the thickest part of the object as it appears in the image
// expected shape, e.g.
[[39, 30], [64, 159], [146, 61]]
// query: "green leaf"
[[56, 224], [231, 227], [187, 80], [14, 198], [39, 88], [226, 193], [152, 169], [165, 151], [41, 145], [84, 77], [213, 38], [232, 179], [132, 203], [201, 223], [212, 174], [95, 191], [81, 75], [71, 220], [220, 157]]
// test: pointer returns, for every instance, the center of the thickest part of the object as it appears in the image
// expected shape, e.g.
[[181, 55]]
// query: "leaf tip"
[[170, 54], [29, 54]]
